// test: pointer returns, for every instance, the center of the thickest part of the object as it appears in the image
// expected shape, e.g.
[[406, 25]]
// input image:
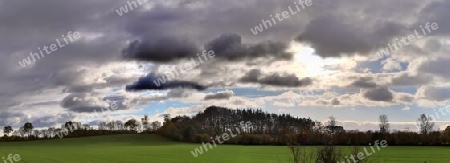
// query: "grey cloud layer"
[[178, 31], [228, 47]]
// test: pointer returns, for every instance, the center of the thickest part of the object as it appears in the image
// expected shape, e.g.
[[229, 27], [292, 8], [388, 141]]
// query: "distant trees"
[[36, 133], [115, 125], [331, 124], [28, 127], [331, 121], [68, 125], [86, 127], [155, 125], [384, 124], [51, 131], [166, 117], [273, 129], [447, 129], [266, 128], [145, 123], [332, 128], [425, 123], [132, 124], [298, 154], [102, 126], [7, 130]]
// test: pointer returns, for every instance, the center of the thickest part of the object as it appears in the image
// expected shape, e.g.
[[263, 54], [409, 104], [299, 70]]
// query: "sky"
[[322, 61]]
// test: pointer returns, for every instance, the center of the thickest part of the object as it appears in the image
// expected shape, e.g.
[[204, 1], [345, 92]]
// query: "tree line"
[[274, 129], [266, 129], [76, 129]]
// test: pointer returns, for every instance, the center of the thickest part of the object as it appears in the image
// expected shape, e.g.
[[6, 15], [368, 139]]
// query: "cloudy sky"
[[320, 62]]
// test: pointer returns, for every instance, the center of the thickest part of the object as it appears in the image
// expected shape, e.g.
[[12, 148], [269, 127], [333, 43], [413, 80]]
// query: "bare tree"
[[44, 133], [36, 133], [384, 124], [331, 127], [51, 132], [28, 128], [331, 121], [7, 130], [293, 144], [155, 125], [86, 127], [145, 123], [166, 117], [425, 123], [298, 153], [132, 124]]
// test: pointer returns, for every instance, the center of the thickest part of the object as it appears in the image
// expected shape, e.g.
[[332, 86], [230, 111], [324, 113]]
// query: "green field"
[[153, 148]]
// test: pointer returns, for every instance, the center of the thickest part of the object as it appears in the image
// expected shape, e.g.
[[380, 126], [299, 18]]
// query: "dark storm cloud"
[[39, 26], [437, 11], [161, 50], [252, 76], [275, 79], [45, 20], [154, 82], [333, 36], [205, 23], [177, 31], [228, 47], [289, 80], [379, 94]]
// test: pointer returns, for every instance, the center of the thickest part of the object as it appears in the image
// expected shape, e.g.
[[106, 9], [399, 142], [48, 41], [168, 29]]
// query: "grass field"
[[153, 148]]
